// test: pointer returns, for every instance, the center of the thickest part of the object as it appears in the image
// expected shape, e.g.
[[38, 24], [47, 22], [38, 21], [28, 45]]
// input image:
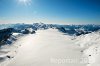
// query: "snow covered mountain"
[[85, 38], [78, 29], [75, 30]]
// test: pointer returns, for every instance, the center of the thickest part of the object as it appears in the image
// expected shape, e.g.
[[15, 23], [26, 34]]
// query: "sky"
[[50, 11]]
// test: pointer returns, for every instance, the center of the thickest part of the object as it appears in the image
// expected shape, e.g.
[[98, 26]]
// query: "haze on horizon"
[[50, 11]]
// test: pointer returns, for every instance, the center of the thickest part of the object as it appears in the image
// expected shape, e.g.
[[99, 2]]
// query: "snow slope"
[[91, 44], [47, 48], [8, 51], [53, 48]]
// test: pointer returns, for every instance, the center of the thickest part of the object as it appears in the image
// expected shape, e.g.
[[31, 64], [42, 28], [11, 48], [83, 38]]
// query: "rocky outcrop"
[[5, 34]]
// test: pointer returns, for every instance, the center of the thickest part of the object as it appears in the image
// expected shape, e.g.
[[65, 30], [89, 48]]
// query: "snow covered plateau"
[[40, 44]]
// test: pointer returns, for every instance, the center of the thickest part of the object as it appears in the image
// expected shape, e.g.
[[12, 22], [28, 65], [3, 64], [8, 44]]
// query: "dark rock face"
[[8, 56], [26, 31], [62, 29], [33, 32], [5, 34]]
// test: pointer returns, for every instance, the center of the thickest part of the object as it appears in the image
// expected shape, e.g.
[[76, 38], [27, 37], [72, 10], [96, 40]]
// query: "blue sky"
[[50, 11]]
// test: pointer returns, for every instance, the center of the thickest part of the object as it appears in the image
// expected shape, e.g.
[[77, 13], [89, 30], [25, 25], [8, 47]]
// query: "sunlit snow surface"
[[53, 48]]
